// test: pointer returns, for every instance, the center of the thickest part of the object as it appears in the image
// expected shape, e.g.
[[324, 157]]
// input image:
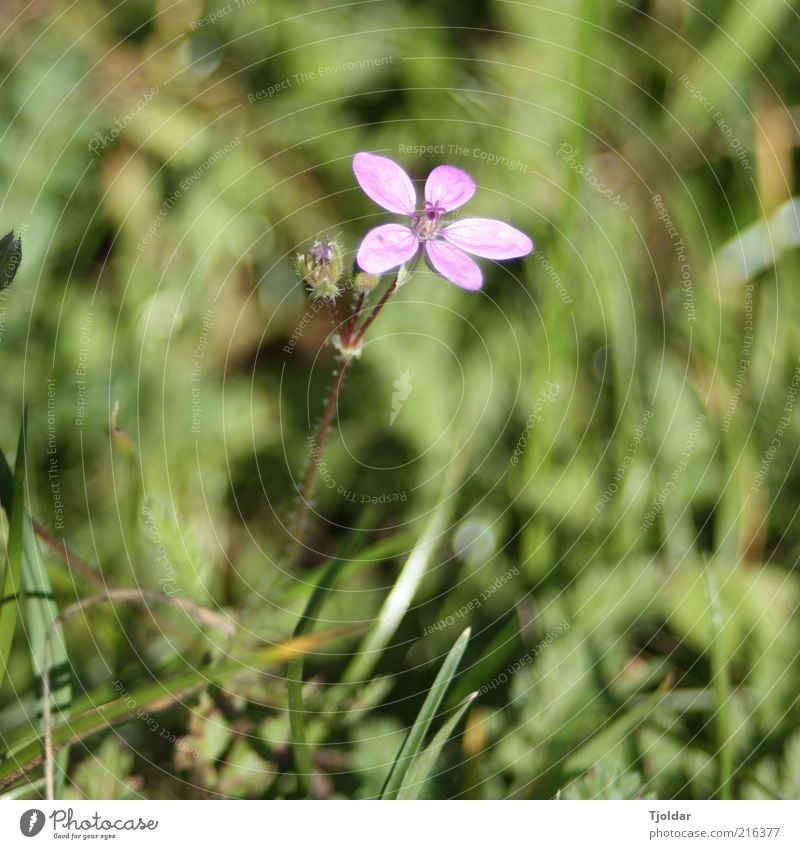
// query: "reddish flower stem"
[[354, 317], [375, 310], [309, 477], [334, 311]]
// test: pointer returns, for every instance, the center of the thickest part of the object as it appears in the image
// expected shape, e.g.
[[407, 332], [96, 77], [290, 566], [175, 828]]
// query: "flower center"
[[426, 223]]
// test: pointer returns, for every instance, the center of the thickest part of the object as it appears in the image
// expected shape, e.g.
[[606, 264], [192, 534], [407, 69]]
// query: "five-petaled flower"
[[447, 188]]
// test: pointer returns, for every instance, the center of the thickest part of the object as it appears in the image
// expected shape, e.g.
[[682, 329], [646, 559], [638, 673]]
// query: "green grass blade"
[[423, 765], [40, 606], [399, 599], [367, 558], [25, 749], [23, 789], [217, 672], [419, 730], [615, 732], [13, 490], [739, 41], [294, 675], [325, 576], [301, 751], [42, 612], [720, 686]]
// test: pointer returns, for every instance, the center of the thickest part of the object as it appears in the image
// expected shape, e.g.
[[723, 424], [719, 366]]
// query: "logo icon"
[[402, 388], [31, 822]]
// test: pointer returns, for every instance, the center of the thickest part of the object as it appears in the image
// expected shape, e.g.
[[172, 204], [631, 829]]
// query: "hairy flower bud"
[[321, 267]]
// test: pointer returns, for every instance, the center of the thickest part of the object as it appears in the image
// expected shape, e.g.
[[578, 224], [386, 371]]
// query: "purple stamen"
[[446, 246], [321, 252], [426, 224]]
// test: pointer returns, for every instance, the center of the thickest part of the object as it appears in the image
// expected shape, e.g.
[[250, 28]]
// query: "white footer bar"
[[390, 825]]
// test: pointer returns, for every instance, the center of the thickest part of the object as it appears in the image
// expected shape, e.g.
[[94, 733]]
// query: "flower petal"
[[449, 187], [386, 247], [385, 182], [488, 238], [455, 265]]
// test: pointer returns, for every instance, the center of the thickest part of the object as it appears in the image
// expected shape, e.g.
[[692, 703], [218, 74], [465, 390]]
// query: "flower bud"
[[364, 282], [404, 273], [321, 268]]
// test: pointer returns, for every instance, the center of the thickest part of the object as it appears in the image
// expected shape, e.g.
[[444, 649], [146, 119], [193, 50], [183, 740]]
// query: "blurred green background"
[[164, 162]]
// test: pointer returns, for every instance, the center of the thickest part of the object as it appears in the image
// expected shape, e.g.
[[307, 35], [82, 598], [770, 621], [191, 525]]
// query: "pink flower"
[[446, 188]]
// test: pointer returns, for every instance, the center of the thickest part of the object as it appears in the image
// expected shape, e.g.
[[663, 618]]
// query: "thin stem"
[[354, 317], [141, 597], [334, 311], [76, 563], [375, 310], [79, 566], [720, 686], [307, 486], [301, 750]]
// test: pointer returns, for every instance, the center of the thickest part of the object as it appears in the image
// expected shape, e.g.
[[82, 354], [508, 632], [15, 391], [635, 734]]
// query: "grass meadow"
[[549, 548]]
